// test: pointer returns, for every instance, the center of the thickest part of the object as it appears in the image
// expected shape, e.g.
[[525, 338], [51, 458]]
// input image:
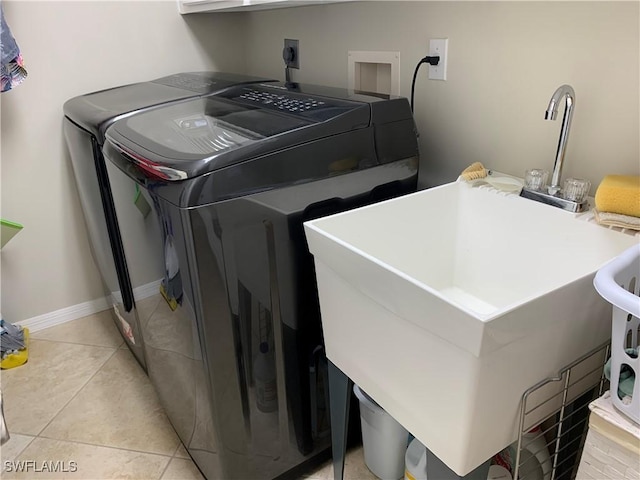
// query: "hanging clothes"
[[12, 71]]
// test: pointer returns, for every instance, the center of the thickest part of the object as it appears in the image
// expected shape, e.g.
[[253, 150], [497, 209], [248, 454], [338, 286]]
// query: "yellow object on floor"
[[474, 171], [17, 359], [619, 194], [172, 302]]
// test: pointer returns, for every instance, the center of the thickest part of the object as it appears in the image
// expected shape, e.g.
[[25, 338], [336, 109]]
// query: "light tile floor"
[[83, 398]]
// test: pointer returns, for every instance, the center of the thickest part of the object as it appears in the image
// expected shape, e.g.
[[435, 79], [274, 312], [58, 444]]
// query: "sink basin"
[[447, 304]]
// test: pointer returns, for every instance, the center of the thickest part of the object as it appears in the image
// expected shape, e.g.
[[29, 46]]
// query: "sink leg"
[[339, 399], [437, 469]]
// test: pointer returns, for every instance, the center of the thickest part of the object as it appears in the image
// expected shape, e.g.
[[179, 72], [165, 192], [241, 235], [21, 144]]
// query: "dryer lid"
[[95, 111]]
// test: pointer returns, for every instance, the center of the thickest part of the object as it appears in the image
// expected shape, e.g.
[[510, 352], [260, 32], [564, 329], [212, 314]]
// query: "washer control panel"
[[281, 101]]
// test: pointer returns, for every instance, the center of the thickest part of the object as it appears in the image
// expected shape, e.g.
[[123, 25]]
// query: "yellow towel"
[[619, 194]]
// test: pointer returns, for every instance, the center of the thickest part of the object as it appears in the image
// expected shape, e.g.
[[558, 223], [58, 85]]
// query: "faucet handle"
[[576, 189], [536, 179]]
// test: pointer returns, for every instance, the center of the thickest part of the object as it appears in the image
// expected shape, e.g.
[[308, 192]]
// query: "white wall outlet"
[[438, 46]]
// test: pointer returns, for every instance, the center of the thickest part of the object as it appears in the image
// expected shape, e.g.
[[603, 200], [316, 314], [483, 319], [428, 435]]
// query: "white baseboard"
[[147, 290], [64, 315], [139, 293], [74, 312]]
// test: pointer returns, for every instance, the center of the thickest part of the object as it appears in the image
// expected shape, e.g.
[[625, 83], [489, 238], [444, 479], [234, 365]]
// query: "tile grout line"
[[108, 321], [38, 435], [175, 453], [79, 390], [75, 343], [106, 446], [32, 337], [22, 449], [116, 349], [179, 443], [166, 467]]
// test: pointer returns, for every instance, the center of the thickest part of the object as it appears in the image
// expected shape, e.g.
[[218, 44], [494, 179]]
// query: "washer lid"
[[192, 130], [194, 137]]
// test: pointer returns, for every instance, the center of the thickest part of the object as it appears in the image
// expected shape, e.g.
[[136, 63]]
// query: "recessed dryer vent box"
[[374, 72]]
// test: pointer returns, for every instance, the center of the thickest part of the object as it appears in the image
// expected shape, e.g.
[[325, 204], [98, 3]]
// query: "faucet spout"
[[567, 93]]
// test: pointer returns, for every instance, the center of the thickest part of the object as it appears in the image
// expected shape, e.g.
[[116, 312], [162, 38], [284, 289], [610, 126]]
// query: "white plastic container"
[[384, 440], [416, 465], [498, 472], [618, 282], [535, 445], [415, 461]]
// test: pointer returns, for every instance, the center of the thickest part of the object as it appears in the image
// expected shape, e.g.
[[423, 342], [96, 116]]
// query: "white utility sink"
[[447, 304]]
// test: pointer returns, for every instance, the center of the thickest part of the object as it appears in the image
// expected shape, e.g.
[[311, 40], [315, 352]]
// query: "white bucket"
[[383, 439], [415, 461], [535, 445]]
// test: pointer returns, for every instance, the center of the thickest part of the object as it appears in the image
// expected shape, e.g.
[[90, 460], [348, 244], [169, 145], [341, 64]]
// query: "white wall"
[[71, 48], [505, 61]]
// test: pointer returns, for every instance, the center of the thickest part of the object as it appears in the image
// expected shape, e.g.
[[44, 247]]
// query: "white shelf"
[[201, 6]]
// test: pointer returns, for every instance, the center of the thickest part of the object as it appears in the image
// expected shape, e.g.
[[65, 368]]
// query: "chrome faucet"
[[563, 92], [554, 194]]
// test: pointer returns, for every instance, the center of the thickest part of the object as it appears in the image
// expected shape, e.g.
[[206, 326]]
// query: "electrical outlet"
[[291, 53], [438, 46]]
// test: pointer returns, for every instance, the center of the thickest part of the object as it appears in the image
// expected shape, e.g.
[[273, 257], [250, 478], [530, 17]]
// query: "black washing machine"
[[222, 186]]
